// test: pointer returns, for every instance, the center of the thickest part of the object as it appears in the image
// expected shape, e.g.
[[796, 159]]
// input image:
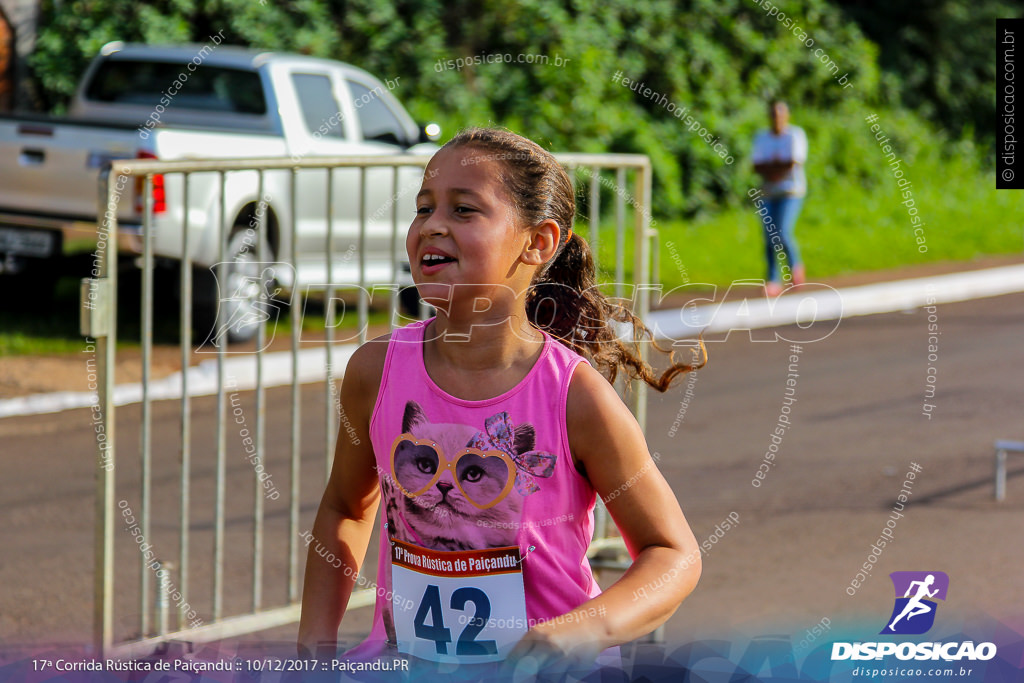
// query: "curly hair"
[[564, 299]]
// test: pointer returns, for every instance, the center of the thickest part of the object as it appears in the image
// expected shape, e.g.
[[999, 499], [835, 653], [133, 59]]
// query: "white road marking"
[[820, 302]]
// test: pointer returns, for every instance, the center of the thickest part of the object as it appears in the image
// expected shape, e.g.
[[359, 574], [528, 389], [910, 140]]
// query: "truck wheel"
[[245, 300], [32, 287]]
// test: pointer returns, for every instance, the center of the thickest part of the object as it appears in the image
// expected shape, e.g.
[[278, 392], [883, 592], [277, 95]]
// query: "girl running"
[[486, 435]]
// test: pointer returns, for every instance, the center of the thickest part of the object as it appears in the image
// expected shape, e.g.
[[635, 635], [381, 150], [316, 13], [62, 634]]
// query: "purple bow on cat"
[[500, 436]]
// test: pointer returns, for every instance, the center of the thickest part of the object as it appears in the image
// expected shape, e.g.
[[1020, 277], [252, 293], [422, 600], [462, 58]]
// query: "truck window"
[[319, 107], [377, 121], [148, 83]]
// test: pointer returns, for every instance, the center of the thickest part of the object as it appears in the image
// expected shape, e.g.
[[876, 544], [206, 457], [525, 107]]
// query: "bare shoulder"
[[590, 394], [366, 364], [596, 417], [352, 488]]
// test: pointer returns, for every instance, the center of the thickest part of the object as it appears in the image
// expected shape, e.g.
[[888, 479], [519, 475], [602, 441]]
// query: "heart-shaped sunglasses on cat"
[[484, 478]]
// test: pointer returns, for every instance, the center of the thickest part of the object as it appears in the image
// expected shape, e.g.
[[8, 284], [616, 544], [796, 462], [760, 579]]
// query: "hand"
[[542, 655]]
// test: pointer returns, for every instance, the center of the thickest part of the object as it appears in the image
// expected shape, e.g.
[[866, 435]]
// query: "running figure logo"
[[914, 612]]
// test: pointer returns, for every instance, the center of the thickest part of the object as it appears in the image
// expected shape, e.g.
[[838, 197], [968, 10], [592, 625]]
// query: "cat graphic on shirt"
[[441, 518]]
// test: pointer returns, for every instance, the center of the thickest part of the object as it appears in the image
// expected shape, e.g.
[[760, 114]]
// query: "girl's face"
[[465, 240]]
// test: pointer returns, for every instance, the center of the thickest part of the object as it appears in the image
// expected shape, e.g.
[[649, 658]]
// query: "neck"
[[484, 341]]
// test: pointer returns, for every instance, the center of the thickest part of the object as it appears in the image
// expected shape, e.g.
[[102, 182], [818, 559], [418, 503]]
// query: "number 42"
[[436, 630]]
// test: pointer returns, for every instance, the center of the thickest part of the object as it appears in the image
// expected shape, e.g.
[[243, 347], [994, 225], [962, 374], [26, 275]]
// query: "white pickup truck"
[[133, 102]]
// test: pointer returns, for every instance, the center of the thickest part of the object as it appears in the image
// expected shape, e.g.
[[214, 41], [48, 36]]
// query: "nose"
[[444, 487], [433, 226]]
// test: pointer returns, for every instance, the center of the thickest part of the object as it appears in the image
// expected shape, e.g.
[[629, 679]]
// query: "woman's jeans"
[[778, 232]]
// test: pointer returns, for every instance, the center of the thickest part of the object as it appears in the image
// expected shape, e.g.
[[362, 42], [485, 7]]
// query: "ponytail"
[[564, 299], [565, 302]]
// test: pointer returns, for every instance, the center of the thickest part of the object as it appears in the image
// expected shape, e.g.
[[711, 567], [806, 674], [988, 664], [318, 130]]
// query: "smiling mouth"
[[436, 260]]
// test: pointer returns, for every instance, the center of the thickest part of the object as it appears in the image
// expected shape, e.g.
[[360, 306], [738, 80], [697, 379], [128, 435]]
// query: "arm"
[[344, 521], [773, 170], [608, 442], [777, 167], [910, 588]]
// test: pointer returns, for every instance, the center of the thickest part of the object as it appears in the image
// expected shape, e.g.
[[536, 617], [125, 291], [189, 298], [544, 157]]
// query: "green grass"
[[313, 320], [44, 325], [842, 229], [38, 322]]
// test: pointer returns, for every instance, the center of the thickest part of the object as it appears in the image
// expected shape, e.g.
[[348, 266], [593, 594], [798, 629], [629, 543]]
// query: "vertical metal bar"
[[262, 238], [103, 574], [364, 302], [393, 308], [329, 331], [296, 301], [595, 215], [186, 409], [622, 382], [162, 604], [600, 519], [655, 277], [620, 229], [570, 169], [600, 511], [1000, 474], [147, 404], [221, 340], [641, 275]]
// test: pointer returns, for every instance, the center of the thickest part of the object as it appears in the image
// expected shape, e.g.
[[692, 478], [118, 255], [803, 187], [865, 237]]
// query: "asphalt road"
[[855, 427]]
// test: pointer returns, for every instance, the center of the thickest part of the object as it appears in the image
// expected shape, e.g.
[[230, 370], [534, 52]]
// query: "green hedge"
[[719, 59]]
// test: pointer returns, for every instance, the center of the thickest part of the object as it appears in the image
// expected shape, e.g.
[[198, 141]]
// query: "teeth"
[[434, 257]]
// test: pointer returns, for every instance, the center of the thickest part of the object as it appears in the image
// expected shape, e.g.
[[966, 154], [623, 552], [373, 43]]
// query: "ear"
[[413, 416], [542, 243]]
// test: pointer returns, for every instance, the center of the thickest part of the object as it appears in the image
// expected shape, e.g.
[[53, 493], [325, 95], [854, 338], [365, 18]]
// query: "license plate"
[[38, 243]]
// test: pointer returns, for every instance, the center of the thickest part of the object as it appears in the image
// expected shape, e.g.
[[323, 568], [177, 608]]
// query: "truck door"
[[382, 131], [319, 126]]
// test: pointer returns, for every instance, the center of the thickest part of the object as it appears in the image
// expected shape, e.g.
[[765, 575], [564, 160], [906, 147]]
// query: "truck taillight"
[[159, 196]]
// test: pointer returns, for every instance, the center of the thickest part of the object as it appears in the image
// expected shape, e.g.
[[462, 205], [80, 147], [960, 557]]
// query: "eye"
[[473, 474], [464, 209], [426, 465], [423, 210]]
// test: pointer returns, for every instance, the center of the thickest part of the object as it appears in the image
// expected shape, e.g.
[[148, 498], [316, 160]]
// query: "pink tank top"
[[485, 521]]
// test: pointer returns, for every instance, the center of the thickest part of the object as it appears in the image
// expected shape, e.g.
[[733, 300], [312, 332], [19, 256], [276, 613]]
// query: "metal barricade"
[[99, 320]]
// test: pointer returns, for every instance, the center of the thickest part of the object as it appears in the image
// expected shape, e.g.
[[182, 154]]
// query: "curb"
[[815, 303], [820, 302]]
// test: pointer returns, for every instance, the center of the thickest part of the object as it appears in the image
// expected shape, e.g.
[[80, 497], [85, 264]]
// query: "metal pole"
[[364, 303], [393, 317], [620, 230], [1000, 474], [147, 405], [262, 239], [641, 275], [329, 416], [186, 409], [221, 339], [163, 604], [296, 433], [103, 575], [595, 213]]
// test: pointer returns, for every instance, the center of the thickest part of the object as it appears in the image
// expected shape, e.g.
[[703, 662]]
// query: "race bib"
[[460, 607]]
